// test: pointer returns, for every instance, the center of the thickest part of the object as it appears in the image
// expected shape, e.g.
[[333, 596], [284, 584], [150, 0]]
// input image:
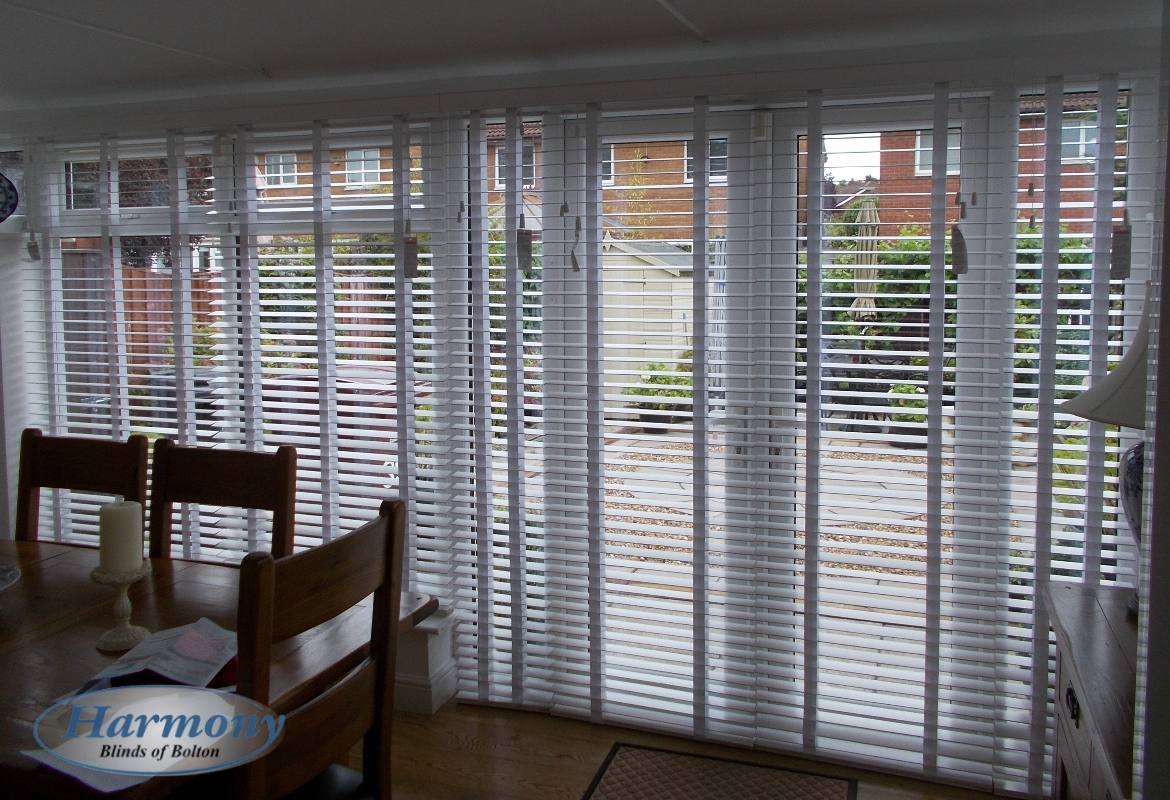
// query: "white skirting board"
[[426, 665]]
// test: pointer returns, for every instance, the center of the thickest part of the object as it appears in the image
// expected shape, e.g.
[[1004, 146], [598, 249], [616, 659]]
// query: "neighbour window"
[[81, 183], [137, 182], [528, 170], [717, 164], [363, 167], [924, 147], [280, 169], [607, 164], [1078, 138], [142, 183]]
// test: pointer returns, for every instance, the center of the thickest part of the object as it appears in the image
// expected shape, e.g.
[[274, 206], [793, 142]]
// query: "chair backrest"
[[215, 476], [280, 598], [72, 462]]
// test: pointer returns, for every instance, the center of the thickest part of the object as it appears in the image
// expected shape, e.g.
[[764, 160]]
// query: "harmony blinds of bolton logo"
[[158, 730]]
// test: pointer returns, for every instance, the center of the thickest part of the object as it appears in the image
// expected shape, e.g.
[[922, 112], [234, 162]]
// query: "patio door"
[[795, 455], [767, 548], [906, 378]]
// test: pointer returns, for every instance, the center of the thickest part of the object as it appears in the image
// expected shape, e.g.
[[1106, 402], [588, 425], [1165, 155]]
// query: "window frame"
[[70, 186], [922, 150], [283, 174], [713, 176], [1085, 124], [498, 182], [608, 159], [362, 173]]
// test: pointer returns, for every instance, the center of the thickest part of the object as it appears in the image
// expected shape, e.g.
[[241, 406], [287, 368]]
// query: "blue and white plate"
[[9, 199], [8, 576]]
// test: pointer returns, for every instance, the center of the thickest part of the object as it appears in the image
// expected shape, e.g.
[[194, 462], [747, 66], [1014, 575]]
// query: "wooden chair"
[[280, 598], [237, 478], [72, 462]]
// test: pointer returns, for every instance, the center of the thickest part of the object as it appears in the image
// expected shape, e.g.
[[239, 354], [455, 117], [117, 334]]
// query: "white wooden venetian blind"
[[218, 305], [738, 448]]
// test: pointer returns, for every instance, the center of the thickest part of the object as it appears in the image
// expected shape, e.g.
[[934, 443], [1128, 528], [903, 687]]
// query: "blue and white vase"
[[1132, 468]]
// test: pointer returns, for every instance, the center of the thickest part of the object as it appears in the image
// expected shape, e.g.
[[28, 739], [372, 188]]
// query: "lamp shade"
[[1120, 397]]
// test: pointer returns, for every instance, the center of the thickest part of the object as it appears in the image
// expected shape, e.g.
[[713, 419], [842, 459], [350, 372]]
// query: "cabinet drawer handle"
[[1073, 705]]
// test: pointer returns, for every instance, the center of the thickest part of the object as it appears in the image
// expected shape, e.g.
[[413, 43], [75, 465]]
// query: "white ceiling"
[[112, 59]]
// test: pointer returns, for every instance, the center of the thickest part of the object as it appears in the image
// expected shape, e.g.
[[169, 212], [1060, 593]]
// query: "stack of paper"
[[191, 655]]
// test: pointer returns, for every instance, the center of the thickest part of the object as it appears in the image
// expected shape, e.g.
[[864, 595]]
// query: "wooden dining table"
[[52, 616]]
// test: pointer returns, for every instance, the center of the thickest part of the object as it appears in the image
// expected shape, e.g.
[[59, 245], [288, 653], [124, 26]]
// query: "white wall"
[[72, 81], [13, 385]]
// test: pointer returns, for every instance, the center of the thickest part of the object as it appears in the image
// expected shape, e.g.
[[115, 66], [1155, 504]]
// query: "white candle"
[[120, 537]]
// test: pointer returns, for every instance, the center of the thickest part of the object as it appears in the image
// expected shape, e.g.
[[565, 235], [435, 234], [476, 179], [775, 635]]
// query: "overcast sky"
[[853, 156]]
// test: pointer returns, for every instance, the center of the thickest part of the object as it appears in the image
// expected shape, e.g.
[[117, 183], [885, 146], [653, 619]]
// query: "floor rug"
[[642, 773]]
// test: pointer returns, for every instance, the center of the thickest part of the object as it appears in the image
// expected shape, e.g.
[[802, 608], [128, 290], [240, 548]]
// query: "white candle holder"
[[124, 635]]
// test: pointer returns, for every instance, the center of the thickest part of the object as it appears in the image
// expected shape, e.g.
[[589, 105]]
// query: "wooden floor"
[[468, 752]]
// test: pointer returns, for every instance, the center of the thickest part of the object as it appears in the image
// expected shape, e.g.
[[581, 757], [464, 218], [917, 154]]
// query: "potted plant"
[[658, 384], [904, 397]]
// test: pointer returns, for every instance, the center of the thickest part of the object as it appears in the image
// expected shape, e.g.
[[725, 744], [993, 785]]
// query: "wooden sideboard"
[[1096, 668]]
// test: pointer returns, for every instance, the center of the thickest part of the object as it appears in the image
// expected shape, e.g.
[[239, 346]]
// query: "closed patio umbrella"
[[865, 272]]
